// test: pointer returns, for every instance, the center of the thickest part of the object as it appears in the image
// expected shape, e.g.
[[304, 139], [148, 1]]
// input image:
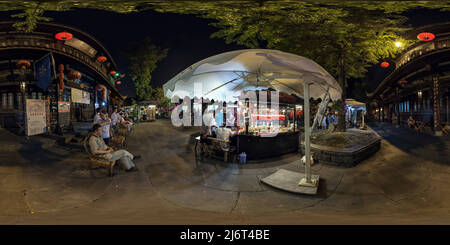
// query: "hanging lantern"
[[384, 64], [61, 68], [61, 85], [101, 59], [103, 88], [63, 36], [118, 82], [23, 64], [402, 83], [425, 36], [74, 75], [112, 73]]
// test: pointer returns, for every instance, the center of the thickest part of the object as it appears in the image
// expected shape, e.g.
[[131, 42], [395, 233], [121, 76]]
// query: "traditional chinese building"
[[418, 86], [65, 66]]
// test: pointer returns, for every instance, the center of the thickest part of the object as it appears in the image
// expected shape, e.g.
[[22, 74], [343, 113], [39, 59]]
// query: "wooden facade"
[[419, 83], [80, 55]]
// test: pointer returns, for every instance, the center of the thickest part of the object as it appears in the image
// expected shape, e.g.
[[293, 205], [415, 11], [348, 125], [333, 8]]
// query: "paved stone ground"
[[406, 182]]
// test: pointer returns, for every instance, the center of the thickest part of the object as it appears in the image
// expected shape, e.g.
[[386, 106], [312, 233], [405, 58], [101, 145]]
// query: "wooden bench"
[[96, 160]]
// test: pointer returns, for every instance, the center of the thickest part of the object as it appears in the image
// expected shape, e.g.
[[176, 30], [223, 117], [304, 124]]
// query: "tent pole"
[[307, 134]]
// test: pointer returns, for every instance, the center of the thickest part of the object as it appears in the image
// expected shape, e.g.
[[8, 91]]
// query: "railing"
[[422, 49]]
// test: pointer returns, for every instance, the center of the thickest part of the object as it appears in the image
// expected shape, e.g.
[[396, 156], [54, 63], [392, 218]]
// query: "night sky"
[[186, 36]]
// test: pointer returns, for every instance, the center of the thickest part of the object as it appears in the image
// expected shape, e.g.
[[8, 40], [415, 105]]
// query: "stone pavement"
[[47, 184]]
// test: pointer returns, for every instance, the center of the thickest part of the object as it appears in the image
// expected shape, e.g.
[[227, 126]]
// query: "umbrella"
[[224, 76]]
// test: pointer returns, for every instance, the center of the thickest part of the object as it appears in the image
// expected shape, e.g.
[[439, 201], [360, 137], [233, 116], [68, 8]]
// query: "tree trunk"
[[341, 79]]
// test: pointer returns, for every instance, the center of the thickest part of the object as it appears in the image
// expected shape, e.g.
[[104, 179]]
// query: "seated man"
[[98, 147], [411, 123], [125, 122]]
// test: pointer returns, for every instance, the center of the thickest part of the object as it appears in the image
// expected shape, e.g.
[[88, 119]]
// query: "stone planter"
[[344, 157]]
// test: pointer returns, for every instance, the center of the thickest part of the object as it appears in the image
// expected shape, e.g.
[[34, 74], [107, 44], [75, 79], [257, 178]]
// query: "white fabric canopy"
[[224, 76]]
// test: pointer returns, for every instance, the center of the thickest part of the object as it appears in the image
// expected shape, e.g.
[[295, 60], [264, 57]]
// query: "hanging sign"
[[36, 120], [80, 96], [63, 106]]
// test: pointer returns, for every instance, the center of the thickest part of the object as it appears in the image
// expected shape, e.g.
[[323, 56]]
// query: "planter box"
[[344, 157]]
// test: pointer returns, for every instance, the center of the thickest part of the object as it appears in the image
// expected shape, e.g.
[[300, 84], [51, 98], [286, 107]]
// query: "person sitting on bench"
[[98, 147], [411, 123]]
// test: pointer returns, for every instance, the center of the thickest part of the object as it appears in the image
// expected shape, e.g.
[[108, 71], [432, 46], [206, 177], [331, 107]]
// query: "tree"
[[344, 40], [143, 58]]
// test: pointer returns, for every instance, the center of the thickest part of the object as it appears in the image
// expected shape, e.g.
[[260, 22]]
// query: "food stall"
[[355, 112], [268, 132]]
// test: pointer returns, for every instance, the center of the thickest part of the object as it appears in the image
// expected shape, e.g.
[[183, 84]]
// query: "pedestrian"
[[106, 124], [324, 122], [97, 117], [98, 147]]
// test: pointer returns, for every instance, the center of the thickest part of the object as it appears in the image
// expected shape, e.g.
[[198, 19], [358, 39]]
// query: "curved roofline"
[[52, 24], [407, 33]]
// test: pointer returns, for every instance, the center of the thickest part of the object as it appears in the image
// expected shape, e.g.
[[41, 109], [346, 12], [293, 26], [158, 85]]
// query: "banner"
[[63, 106], [80, 96], [43, 72], [36, 120]]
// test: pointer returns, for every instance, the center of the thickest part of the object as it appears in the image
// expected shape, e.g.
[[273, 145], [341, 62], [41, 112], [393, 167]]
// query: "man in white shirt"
[[115, 118], [106, 124]]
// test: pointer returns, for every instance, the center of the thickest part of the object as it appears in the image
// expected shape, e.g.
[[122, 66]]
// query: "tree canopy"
[[143, 58]]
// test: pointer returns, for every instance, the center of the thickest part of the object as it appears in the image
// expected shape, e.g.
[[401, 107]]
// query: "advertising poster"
[[36, 120], [63, 106], [80, 96]]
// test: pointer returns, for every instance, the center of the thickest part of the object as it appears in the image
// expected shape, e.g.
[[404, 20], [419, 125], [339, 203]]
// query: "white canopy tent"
[[358, 106], [224, 76]]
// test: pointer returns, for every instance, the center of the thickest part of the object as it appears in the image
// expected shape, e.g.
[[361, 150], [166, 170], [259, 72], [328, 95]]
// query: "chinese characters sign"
[[36, 120]]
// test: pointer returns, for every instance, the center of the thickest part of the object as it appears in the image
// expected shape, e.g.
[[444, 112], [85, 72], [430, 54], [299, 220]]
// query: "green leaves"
[[143, 58]]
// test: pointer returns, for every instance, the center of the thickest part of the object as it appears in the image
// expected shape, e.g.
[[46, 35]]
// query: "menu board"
[[80, 96], [36, 120]]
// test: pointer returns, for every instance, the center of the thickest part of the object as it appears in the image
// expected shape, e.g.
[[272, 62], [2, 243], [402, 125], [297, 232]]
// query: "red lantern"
[[112, 73], [74, 75], [101, 87], [61, 68], [118, 82], [23, 64], [61, 85], [101, 59], [63, 36], [425, 36], [384, 64]]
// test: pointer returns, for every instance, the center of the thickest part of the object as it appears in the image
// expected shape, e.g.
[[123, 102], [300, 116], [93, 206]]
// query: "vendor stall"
[[355, 112], [229, 77]]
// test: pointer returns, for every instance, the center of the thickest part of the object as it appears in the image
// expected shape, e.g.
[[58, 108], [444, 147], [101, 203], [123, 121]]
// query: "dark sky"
[[186, 36]]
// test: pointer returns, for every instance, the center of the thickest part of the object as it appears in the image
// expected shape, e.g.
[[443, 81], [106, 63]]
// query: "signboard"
[[36, 120], [80, 96], [63, 106], [80, 45]]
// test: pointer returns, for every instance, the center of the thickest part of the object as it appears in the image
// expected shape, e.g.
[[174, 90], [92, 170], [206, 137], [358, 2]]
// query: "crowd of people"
[[110, 124], [100, 142]]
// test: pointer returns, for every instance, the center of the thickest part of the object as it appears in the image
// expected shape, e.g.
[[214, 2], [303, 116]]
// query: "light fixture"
[[23, 85], [398, 44], [419, 94]]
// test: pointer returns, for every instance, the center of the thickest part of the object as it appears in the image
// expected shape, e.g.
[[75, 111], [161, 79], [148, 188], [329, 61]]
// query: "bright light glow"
[[398, 44], [103, 103]]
